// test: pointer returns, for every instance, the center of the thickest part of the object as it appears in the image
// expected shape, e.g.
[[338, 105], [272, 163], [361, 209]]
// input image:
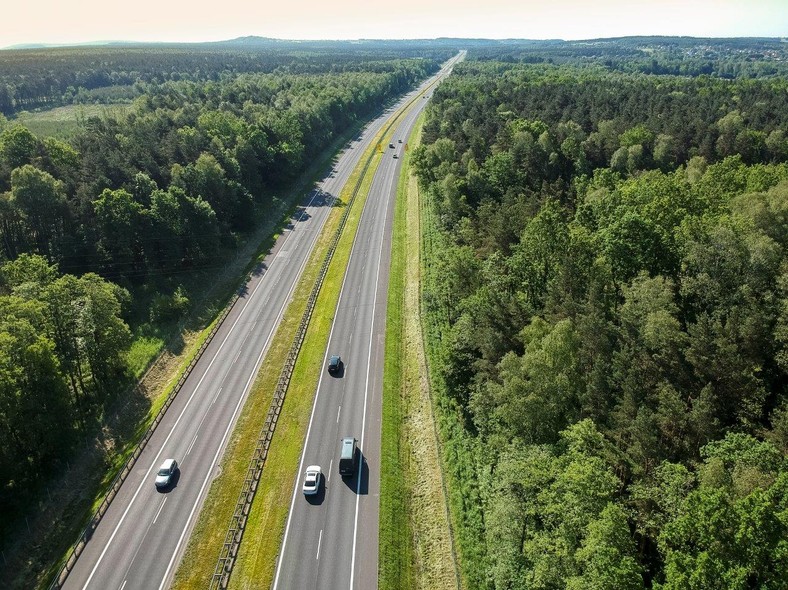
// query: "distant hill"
[[83, 44], [254, 41]]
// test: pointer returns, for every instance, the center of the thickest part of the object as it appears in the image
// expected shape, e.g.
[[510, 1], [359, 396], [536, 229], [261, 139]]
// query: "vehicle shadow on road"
[[317, 499], [362, 485]]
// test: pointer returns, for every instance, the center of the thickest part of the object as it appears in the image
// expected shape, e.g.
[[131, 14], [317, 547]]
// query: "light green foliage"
[[731, 531], [35, 409], [638, 135], [17, 147], [165, 308], [546, 504], [538, 258], [607, 555], [538, 392], [223, 125], [121, 220], [62, 344], [28, 275], [61, 157]]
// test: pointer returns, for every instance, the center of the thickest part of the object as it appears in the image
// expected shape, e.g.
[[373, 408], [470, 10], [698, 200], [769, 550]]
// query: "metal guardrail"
[[235, 530], [87, 532]]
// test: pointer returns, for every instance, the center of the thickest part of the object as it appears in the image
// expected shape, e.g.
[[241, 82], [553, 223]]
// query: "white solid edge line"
[[280, 559], [366, 391], [252, 376], [317, 393], [309, 428], [366, 388], [164, 444], [188, 402]]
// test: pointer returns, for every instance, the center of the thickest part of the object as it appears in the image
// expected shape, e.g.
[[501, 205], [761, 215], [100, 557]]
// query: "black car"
[[334, 364]]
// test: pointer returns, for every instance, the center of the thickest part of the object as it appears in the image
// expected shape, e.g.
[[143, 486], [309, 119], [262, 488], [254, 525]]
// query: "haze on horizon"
[[58, 22]]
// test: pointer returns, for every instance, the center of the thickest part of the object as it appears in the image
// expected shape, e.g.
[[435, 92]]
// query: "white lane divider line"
[[253, 374], [319, 539], [189, 450], [153, 464], [366, 394], [339, 409], [155, 518], [237, 355], [217, 396], [123, 585], [282, 550], [330, 471]]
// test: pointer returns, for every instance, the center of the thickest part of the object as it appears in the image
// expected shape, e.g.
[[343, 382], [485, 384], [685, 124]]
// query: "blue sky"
[[59, 21]]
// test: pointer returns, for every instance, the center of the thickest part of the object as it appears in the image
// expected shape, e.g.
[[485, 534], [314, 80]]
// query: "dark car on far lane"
[[334, 364]]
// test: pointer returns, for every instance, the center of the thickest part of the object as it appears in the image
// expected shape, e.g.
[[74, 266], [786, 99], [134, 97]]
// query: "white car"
[[312, 480]]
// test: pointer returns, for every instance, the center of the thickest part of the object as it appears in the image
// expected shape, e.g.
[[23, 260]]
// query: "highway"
[[331, 539], [142, 536]]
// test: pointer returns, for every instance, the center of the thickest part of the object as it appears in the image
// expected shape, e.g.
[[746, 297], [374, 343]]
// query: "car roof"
[[168, 463]]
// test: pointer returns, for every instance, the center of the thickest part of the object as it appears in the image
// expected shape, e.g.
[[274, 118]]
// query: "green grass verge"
[[457, 447], [396, 551], [255, 563], [416, 548]]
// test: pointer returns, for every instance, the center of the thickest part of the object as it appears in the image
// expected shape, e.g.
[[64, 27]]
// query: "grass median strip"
[[415, 543], [254, 566]]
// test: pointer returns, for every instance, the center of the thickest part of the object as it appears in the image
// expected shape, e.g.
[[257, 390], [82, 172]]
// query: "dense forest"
[[748, 57], [606, 305], [97, 233], [32, 78]]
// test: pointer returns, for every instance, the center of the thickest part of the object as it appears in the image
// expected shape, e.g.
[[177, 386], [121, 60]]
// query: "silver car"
[[166, 472]]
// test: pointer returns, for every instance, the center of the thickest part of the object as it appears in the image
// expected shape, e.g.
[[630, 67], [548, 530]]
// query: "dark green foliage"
[[608, 319], [225, 145]]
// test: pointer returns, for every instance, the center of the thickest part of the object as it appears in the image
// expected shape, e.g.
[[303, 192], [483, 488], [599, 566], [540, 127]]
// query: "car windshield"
[[164, 471]]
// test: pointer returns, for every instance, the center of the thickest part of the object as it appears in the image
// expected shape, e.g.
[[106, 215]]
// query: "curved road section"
[[143, 534], [331, 538]]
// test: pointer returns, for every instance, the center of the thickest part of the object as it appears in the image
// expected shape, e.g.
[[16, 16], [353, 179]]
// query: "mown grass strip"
[[395, 539], [415, 538], [256, 560], [456, 447], [255, 563]]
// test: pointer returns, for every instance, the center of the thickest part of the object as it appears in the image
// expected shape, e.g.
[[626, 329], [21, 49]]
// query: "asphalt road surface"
[[331, 539], [141, 538]]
